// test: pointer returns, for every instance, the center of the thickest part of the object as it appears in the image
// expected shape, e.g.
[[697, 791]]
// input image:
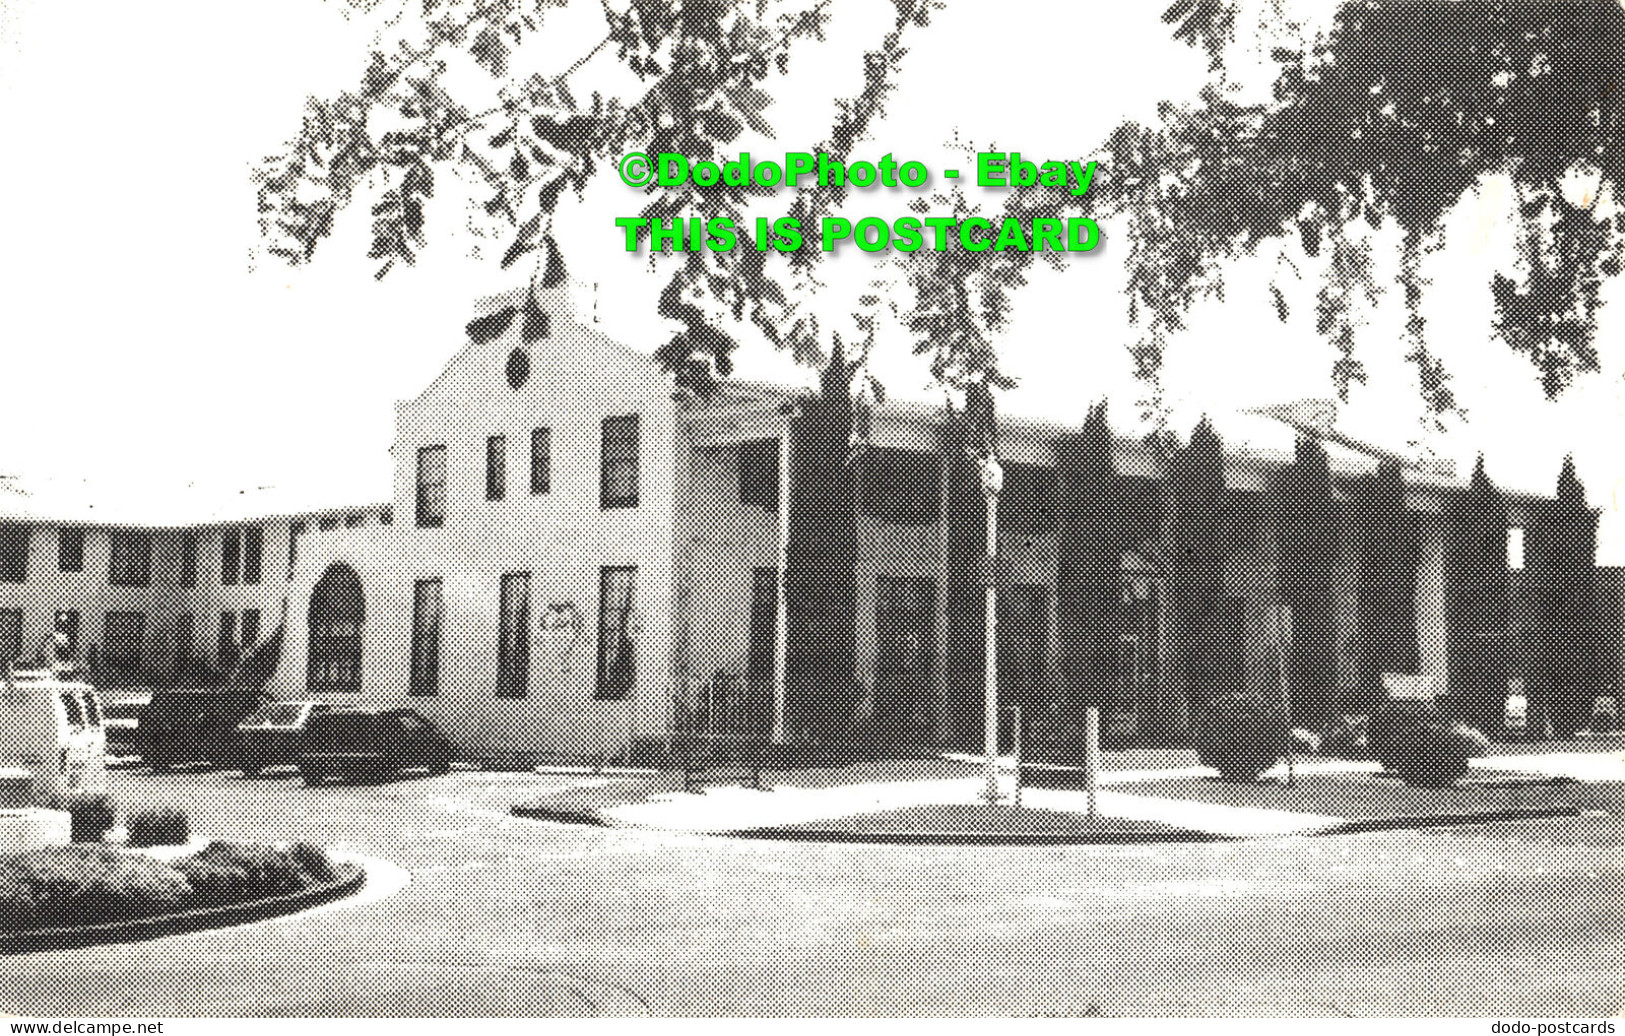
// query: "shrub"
[[1241, 735], [84, 884], [91, 812], [226, 872], [158, 827], [1422, 745]]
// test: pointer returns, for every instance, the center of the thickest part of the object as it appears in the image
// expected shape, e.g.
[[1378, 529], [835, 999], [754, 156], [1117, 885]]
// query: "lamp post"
[[992, 483]]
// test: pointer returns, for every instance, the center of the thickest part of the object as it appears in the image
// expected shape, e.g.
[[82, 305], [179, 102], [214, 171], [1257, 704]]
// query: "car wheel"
[[312, 777]]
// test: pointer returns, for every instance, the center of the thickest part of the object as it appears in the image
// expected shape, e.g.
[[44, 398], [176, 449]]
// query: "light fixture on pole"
[[992, 484], [1581, 184]]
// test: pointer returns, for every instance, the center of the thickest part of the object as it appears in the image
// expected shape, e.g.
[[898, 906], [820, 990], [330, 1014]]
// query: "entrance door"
[[764, 606], [1137, 668], [1023, 657], [905, 637]]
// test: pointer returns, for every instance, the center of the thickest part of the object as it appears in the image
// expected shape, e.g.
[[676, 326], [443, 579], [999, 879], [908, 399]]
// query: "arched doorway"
[[337, 610], [1138, 638]]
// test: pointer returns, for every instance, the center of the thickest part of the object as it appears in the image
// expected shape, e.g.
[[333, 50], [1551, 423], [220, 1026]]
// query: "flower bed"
[[65, 890]]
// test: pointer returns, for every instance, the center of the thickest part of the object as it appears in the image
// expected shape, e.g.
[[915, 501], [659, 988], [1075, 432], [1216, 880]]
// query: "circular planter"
[[36, 940]]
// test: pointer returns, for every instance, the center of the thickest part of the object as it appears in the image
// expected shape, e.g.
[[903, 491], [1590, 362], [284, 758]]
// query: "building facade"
[[579, 556]]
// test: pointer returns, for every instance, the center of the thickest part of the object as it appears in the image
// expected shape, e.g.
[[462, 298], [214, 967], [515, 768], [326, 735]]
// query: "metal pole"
[[780, 617], [1091, 753], [991, 722]]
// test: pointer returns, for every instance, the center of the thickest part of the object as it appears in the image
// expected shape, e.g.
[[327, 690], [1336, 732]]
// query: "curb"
[[138, 929], [970, 838], [588, 818], [582, 817], [1354, 827]]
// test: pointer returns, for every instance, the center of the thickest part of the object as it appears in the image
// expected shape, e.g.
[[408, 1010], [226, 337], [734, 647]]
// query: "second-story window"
[[70, 550], [253, 553], [130, 563], [431, 500], [231, 556], [294, 532], [541, 460], [759, 473], [188, 560], [13, 553], [496, 467], [618, 486]]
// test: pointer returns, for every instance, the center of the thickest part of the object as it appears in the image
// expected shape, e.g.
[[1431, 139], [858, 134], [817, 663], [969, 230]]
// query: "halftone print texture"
[[663, 686]]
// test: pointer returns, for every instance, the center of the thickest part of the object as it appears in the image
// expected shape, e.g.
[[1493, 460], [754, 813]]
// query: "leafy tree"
[[1385, 530], [1561, 556], [1196, 516], [704, 67], [1387, 119], [1307, 529], [1477, 604], [1092, 532]]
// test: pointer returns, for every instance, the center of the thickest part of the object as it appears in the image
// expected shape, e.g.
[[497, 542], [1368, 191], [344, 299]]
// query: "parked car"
[[123, 714], [183, 727], [359, 743], [273, 735]]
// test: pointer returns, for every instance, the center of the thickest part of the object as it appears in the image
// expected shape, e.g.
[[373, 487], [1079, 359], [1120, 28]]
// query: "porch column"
[[940, 673], [780, 615], [1432, 607]]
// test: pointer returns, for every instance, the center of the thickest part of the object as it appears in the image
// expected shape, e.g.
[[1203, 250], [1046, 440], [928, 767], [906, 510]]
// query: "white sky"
[[136, 340]]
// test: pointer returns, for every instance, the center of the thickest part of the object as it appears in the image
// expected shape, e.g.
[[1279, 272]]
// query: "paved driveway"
[[513, 917]]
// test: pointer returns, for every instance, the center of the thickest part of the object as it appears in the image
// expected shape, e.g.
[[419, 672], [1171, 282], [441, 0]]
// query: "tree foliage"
[[1561, 558], [1307, 530], [704, 68], [1387, 119]]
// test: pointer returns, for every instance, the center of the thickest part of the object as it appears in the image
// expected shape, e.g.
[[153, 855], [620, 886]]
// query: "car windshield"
[[277, 714]]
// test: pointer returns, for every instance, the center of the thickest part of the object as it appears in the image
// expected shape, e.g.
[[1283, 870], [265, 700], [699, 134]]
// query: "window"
[[188, 566], [338, 609], [131, 560], [231, 556], [185, 637], [759, 474], [354, 521], [328, 524], [617, 656], [228, 641], [121, 642], [431, 487], [618, 486], [900, 487], [253, 553], [513, 644], [13, 553], [541, 460], [66, 623], [250, 635], [426, 611], [496, 467], [70, 550], [905, 625], [294, 532], [386, 516], [11, 634]]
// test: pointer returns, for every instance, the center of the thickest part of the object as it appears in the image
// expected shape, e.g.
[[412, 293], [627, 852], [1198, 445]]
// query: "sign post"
[[1091, 753]]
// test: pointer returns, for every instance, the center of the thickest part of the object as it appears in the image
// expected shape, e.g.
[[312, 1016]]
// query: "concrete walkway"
[[724, 808]]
